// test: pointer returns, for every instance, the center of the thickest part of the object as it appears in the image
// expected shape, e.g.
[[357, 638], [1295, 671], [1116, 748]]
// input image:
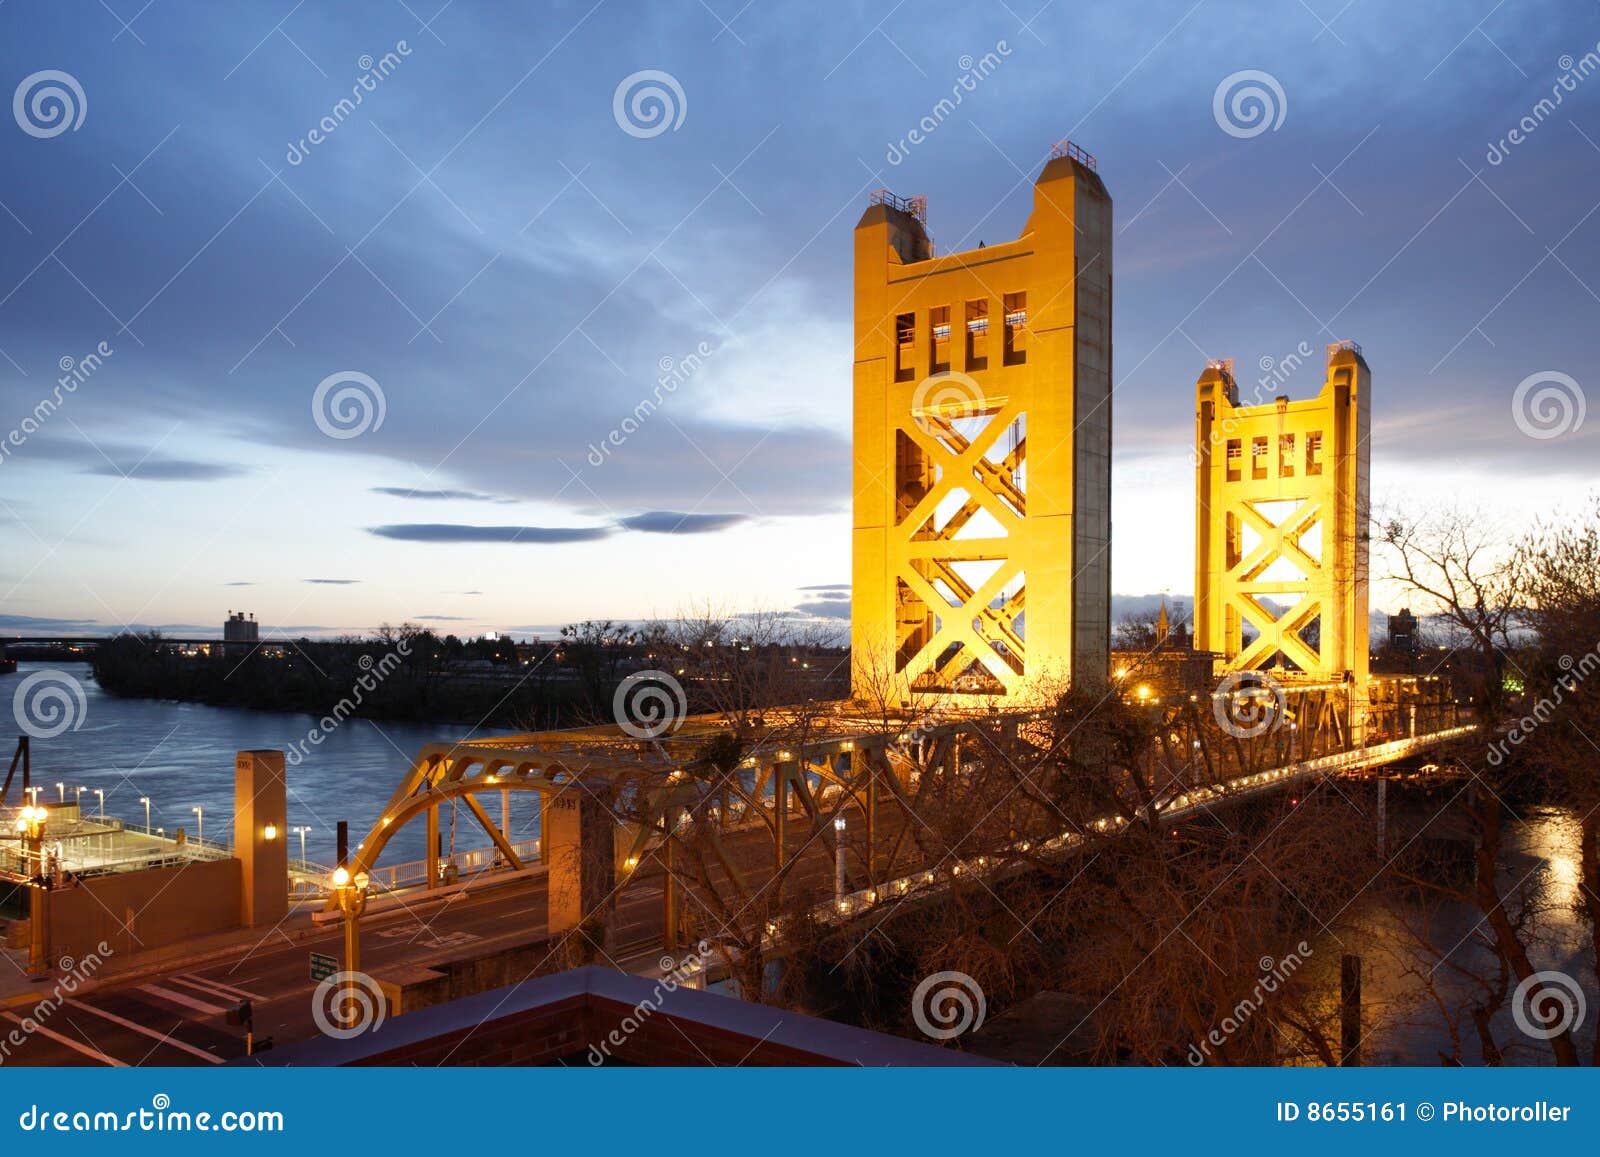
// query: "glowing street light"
[[144, 799], [301, 832], [199, 823], [838, 860], [61, 790], [101, 796]]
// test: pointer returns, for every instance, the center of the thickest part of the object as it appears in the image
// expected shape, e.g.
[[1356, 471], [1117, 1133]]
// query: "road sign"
[[323, 966]]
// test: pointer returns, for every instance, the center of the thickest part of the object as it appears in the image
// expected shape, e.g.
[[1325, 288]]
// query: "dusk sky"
[[510, 255]]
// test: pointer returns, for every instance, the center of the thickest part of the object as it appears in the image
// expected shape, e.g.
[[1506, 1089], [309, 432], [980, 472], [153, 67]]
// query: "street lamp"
[[101, 796], [61, 790], [838, 861], [199, 824], [301, 832], [144, 799], [30, 827], [351, 894], [80, 789]]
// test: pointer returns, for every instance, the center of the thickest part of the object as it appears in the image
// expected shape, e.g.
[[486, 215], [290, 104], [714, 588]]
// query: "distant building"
[[239, 633], [1403, 632]]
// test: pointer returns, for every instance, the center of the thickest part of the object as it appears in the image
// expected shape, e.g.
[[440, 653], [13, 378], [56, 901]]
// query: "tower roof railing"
[[1347, 344], [915, 206], [1066, 148]]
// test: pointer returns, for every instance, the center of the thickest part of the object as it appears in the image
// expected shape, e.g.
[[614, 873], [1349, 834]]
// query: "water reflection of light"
[[1564, 878]]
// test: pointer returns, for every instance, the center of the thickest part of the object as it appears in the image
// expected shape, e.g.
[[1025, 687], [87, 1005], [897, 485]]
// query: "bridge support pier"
[[578, 842], [261, 836]]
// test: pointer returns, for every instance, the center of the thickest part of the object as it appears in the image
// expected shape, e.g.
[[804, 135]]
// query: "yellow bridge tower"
[[981, 550], [1282, 516]]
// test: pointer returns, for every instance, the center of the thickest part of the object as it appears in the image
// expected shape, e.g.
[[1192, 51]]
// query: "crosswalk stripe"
[[71, 1044], [214, 987], [181, 998], [166, 1039]]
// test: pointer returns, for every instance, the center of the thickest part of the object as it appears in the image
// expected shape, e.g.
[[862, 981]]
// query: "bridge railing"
[[309, 881]]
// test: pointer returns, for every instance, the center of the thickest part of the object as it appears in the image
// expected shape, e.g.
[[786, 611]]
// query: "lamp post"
[[61, 791], [144, 799], [101, 797], [30, 826], [351, 893], [80, 789], [199, 824], [838, 861], [301, 832]]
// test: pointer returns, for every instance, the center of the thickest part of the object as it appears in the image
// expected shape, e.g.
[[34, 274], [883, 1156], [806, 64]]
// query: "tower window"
[[905, 347], [939, 327], [978, 334], [1314, 453], [1285, 455], [1016, 350]]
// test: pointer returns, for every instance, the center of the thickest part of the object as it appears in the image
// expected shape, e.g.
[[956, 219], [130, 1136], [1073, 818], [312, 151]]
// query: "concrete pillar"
[[579, 844], [261, 836]]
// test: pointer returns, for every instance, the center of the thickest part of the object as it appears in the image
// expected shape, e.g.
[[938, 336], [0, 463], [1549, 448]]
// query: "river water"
[[180, 756]]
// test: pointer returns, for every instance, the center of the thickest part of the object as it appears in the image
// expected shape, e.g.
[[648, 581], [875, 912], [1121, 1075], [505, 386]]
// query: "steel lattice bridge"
[[611, 800]]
